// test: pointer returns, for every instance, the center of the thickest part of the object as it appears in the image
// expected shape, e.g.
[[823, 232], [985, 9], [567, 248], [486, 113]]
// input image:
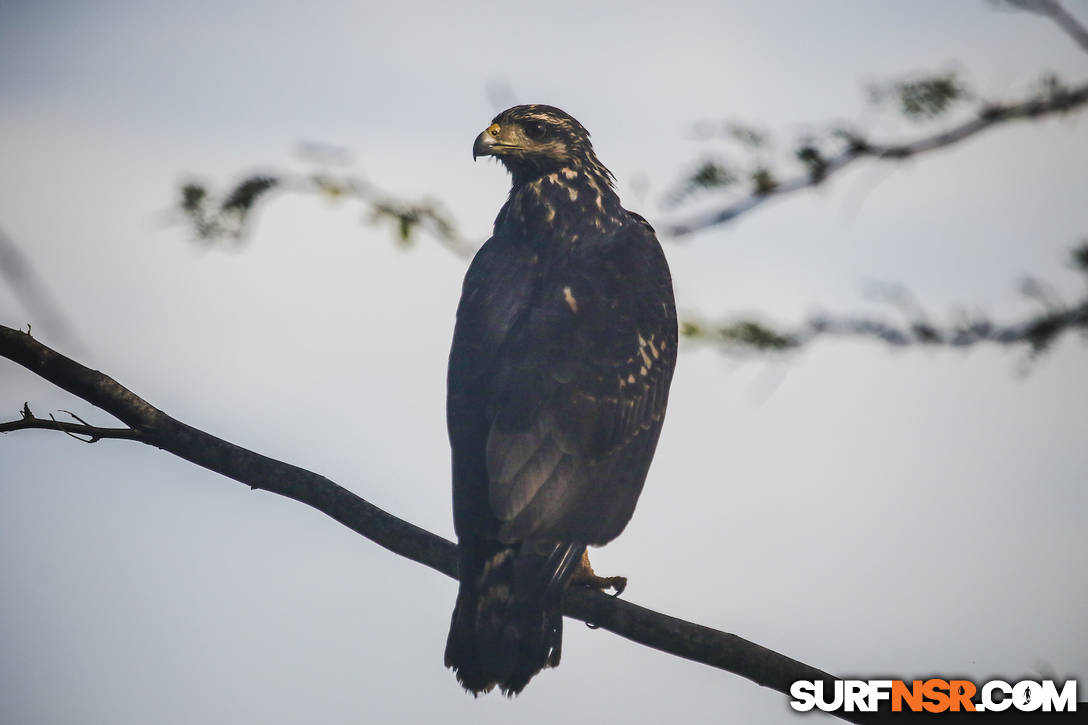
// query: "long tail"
[[507, 625]]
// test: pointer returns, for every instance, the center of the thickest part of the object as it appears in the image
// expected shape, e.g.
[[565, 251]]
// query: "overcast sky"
[[863, 510]]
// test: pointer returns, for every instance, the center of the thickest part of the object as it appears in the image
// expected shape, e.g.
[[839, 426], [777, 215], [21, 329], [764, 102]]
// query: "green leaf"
[[241, 200], [1080, 256], [763, 181], [753, 334], [814, 161], [926, 98], [192, 197]]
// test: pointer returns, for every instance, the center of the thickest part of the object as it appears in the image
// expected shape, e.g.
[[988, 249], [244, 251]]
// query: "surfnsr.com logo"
[[933, 695]]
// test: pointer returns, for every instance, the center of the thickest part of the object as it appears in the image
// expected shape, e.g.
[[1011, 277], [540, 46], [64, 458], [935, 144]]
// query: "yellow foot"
[[585, 576]]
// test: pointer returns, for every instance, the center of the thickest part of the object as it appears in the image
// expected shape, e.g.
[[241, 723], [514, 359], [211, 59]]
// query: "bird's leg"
[[585, 576]]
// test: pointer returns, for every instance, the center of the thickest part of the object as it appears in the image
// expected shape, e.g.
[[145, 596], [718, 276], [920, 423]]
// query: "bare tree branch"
[[1056, 12], [149, 425], [1059, 100]]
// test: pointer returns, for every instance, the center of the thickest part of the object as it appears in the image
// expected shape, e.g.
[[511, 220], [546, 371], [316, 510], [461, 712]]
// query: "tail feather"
[[507, 624]]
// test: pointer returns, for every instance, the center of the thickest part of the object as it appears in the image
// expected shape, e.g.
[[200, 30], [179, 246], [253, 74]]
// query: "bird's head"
[[536, 139]]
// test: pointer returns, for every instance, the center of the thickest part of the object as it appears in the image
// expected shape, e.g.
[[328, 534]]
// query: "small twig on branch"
[[94, 433], [152, 426], [1058, 101]]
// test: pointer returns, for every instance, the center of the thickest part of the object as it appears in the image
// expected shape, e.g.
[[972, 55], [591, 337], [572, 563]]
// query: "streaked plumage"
[[559, 375]]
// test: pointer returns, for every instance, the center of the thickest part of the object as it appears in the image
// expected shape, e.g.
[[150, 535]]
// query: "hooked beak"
[[483, 145], [486, 142]]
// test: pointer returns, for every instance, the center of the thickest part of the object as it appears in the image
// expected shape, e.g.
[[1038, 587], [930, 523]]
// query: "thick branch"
[[150, 425], [1060, 101]]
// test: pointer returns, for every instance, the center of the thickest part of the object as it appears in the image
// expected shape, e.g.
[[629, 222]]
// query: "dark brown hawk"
[[558, 378]]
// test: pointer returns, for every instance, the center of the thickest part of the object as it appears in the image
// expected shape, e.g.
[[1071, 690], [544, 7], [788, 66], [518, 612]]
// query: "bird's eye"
[[536, 130]]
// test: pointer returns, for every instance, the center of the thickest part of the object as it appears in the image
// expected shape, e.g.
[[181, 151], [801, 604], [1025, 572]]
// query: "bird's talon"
[[585, 576]]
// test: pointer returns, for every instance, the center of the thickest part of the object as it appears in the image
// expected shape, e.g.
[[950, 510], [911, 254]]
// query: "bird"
[[563, 353]]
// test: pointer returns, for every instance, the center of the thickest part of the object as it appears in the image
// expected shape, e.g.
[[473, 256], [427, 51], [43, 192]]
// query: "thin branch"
[[229, 216], [93, 433], [1036, 333], [154, 427], [1058, 101], [1056, 12]]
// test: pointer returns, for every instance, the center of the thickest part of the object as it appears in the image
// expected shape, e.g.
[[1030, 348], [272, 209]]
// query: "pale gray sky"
[[862, 510]]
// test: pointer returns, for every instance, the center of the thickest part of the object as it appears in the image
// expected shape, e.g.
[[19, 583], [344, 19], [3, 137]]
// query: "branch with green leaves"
[[926, 97], [1036, 332], [226, 217], [918, 99]]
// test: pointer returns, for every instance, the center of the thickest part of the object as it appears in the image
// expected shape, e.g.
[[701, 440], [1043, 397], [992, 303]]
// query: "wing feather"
[[574, 389]]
